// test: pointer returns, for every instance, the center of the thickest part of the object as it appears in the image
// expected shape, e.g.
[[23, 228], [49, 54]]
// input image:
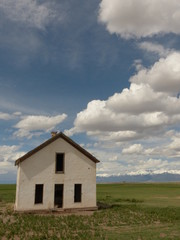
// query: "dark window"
[[39, 193], [58, 195], [59, 162], [77, 192]]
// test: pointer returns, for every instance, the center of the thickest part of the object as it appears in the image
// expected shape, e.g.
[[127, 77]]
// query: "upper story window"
[[59, 162]]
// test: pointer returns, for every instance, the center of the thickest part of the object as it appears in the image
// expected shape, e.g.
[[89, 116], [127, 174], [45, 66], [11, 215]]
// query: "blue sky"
[[105, 72]]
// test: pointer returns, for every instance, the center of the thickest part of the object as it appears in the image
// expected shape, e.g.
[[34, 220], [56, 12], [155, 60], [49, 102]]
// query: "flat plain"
[[126, 211]]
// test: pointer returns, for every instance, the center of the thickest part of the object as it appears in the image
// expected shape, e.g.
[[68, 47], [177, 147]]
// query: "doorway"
[[58, 195]]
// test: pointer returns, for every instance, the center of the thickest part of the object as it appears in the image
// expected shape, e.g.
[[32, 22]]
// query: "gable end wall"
[[40, 169]]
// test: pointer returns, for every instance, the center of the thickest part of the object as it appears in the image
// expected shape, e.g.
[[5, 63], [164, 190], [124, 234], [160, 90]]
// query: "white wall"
[[40, 169]]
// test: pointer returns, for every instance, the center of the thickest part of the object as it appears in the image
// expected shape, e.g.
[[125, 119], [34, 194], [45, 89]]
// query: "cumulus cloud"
[[147, 108], [34, 125], [140, 18], [131, 117], [138, 99], [32, 13], [163, 76]]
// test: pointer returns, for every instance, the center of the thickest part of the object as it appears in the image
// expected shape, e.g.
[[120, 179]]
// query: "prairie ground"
[[126, 211]]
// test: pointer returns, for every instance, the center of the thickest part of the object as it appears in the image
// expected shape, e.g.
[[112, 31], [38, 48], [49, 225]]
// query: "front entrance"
[[58, 195]]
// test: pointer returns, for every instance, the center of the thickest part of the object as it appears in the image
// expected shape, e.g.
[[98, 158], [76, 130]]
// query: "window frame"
[[36, 196], [77, 199], [63, 163]]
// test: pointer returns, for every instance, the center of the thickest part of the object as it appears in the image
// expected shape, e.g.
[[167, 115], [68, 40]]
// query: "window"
[[38, 193], [77, 192], [59, 162]]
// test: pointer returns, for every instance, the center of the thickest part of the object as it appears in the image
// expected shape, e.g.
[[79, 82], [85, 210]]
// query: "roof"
[[52, 139]]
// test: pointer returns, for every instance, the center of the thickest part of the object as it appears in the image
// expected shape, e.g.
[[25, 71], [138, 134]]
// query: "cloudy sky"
[[104, 72]]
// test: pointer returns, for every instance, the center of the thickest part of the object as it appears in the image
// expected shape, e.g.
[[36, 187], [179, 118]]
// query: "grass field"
[[157, 194], [127, 211]]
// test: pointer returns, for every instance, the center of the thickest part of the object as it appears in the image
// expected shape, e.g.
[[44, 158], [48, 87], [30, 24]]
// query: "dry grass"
[[123, 215]]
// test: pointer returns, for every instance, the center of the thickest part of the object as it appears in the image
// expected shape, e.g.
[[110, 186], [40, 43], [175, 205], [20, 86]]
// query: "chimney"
[[53, 134]]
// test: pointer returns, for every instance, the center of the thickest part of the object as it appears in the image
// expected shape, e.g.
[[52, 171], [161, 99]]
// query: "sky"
[[104, 72]]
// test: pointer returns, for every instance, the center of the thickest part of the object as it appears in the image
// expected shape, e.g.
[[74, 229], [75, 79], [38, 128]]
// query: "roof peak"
[[52, 139]]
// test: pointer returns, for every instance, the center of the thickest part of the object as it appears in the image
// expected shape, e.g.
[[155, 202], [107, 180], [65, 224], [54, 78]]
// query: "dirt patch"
[[62, 213], [162, 235]]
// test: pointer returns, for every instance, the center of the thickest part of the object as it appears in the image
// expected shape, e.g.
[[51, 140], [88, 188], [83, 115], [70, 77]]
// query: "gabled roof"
[[52, 139]]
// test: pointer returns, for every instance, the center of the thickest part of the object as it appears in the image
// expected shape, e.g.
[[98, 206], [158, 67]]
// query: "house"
[[58, 174]]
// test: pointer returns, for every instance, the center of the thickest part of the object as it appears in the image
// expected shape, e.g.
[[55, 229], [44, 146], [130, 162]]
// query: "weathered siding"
[[40, 169]]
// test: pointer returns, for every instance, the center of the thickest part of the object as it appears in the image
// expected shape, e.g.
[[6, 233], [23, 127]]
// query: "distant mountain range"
[[163, 177], [149, 177]]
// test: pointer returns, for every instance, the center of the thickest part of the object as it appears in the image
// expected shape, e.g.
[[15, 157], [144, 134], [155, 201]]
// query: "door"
[[58, 195]]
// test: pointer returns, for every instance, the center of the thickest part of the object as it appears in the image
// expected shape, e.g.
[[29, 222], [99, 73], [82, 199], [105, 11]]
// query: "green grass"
[[7, 193], [128, 211], [157, 194]]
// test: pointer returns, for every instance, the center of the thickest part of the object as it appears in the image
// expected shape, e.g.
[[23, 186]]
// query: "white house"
[[58, 174]]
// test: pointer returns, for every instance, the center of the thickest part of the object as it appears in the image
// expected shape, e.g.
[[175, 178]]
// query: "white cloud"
[[133, 149], [148, 108], [117, 136], [113, 158], [8, 116], [140, 18], [137, 166], [175, 144], [32, 13], [155, 48], [163, 76], [8, 154], [156, 156], [138, 64], [134, 162], [70, 132], [138, 99], [5, 116], [34, 125], [17, 113], [125, 118], [155, 166]]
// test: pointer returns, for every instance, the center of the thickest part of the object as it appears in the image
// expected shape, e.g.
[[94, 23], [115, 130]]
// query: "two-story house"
[[58, 174]]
